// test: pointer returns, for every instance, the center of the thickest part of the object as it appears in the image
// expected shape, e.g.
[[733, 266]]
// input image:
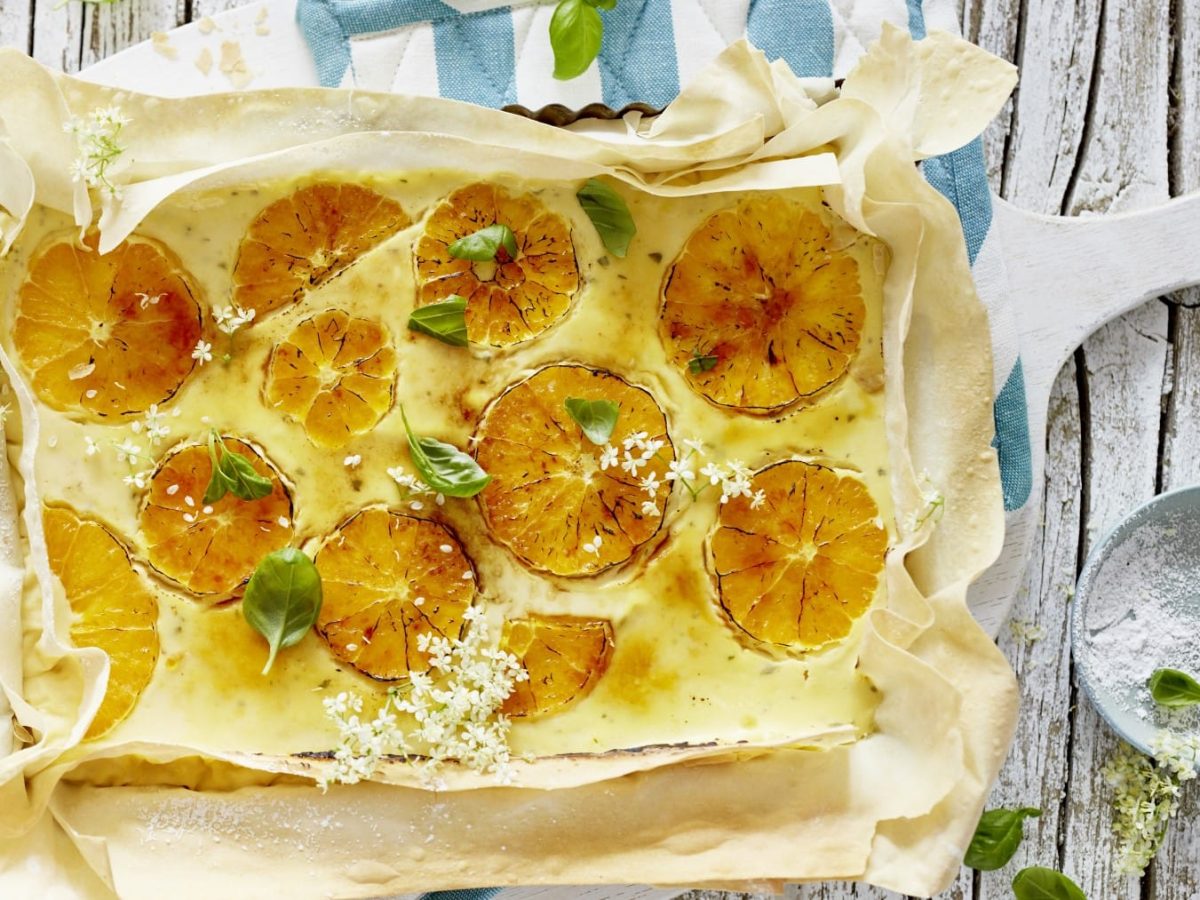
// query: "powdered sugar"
[[1142, 614]]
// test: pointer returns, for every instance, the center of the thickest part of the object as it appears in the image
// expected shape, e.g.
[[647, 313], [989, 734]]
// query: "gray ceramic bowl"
[[1155, 549]]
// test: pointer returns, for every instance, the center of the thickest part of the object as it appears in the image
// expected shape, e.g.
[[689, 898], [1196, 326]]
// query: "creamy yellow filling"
[[678, 674]]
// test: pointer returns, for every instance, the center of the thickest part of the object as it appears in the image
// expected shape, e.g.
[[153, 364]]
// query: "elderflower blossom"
[[608, 458], [90, 447], [1146, 795], [230, 318], [414, 488], [202, 352], [593, 546], [128, 451], [96, 136], [453, 710], [156, 430], [138, 480]]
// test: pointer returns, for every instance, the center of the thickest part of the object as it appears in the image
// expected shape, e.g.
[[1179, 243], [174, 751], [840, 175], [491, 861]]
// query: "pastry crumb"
[[162, 45], [233, 64], [204, 61]]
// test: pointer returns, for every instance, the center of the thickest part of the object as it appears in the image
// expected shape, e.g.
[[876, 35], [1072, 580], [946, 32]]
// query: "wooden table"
[[1107, 117]]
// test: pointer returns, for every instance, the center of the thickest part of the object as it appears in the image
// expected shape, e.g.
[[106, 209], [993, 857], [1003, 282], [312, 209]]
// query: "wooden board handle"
[[1068, 276]]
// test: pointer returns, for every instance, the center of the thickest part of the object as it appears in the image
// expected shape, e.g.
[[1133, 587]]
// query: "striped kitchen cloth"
[[497, 54]]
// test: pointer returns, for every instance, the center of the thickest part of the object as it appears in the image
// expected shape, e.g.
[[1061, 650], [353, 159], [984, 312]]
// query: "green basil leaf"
[[597, 418], [702, 362], [576, 32], [445, 320], [609, 214], [484, 244], [997, 837], [603, 4], [1172, 688], [444, 467], [282, 599], [233, 473], [1038, 883]]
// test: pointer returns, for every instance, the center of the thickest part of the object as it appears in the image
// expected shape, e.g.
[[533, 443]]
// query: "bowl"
[[1137, 609]]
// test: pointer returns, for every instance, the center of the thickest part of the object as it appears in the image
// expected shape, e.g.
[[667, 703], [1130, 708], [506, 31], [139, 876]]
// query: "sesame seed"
[[446, 548]]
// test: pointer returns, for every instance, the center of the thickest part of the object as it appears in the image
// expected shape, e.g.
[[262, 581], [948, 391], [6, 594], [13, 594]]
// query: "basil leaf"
[[576, 32], [282, 599], [1174, 689], [997, 837], [444, 467], [1038, 883], [597, 418], [609, 214], [445, 320], [233, 473], [484, 244], [702, 363], [603, 4]]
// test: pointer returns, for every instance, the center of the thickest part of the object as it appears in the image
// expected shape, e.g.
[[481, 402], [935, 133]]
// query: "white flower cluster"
[[97, 138], [155, 429], [454, 709], [639, 449], [202, 352], [1146, 795], [230, 318], [933, 505], [414, 488]]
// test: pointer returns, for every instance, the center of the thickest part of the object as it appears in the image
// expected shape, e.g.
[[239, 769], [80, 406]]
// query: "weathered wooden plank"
[[1037, 644], [201, 8], [16, 24], [995, 25], [113, 27], [1123, 165], [58, 34], [1175, 874], [841, 890], [1056, 57]]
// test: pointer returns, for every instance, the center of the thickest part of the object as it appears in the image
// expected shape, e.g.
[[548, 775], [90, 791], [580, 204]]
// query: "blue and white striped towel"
[[497, 53]]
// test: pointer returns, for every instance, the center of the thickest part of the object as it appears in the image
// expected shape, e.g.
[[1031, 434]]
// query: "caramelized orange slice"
[[564, 655], [112, 608], [109, 334], [552, 501], [801, 568], [335, 374], [307, 238], [210, 548], [387, 579], [508, 300], [762, 288]]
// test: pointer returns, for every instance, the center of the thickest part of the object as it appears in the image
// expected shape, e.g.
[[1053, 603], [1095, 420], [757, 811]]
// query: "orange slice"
[[565, 656], [210, 548], [802, 567], [762, 288], [109, 334], [307, 238], [335, 374], [508, 300], [387, 579], [112, 608], [550, 498]]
